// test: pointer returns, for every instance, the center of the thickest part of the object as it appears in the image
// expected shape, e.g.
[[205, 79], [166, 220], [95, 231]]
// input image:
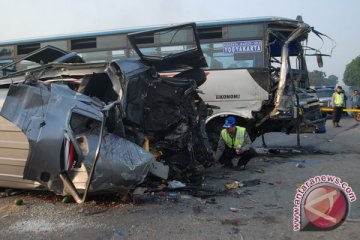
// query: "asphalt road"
[[263, 211]]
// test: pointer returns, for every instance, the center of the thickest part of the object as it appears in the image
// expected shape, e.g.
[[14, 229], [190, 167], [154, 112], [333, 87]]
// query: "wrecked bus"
[[256, 67], [258, 73]]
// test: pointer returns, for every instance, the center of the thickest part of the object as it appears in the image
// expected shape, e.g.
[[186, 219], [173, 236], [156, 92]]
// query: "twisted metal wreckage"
[[103, 117], [95, 127]]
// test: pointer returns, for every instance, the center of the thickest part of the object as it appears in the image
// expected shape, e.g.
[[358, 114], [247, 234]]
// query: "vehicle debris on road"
[[260, 170], [232, 209], [234, 185], [19, 202], [174, 184], [299, 165]]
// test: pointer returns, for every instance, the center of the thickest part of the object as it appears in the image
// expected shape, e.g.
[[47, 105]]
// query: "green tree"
[[318, 78], [352, 73], [332, 80]]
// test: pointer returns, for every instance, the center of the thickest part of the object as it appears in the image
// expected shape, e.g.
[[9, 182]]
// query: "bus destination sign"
[[242, 47]]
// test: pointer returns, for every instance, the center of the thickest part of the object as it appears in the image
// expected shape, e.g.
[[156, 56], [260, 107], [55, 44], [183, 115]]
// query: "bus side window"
[[217, 58]]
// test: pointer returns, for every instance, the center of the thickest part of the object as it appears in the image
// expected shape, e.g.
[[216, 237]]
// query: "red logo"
[[326, 206]]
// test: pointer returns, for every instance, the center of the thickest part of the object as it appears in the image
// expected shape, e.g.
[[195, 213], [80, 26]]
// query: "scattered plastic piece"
[[176, 184], [299, 165], [234, 209], [260, 170], [159, 169], [233, 185], [19, 202]]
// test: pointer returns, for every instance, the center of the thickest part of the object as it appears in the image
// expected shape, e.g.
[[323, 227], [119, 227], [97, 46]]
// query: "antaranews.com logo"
[[322, 203]]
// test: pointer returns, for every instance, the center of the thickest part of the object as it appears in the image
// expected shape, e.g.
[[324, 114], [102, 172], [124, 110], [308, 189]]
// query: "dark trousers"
[[230, 153], [337, 112]]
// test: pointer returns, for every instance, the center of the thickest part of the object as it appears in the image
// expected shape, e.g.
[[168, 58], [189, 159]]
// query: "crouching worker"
[[234, 142]]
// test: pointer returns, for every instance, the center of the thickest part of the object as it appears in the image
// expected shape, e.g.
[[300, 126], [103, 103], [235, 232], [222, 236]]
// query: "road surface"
[[263, 211]]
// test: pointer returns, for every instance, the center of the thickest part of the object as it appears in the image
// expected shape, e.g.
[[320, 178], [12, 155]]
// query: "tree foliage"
[[352, 73], [318, 78]]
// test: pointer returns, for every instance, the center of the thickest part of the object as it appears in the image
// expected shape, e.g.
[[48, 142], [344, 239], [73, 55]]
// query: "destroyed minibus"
[[97, 127]]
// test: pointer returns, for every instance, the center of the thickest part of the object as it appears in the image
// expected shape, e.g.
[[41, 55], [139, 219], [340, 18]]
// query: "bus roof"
[[129, 30]]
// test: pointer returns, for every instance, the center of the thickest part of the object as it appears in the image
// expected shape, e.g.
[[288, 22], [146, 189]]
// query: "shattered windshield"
[[169, 48]]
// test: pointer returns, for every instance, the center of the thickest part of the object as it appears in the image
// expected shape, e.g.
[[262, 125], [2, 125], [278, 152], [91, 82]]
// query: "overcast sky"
[[23, 19]]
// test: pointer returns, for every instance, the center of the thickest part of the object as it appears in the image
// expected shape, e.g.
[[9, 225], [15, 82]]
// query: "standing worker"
[[355, 99], [355, 102], [234, 142], [338, 103]]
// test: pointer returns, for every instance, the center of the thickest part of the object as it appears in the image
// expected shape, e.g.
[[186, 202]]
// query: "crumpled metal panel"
[[48, 115], [130, 68], [131, 74], [281, 99], [43, 114], [155, 103], [121, 164]]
